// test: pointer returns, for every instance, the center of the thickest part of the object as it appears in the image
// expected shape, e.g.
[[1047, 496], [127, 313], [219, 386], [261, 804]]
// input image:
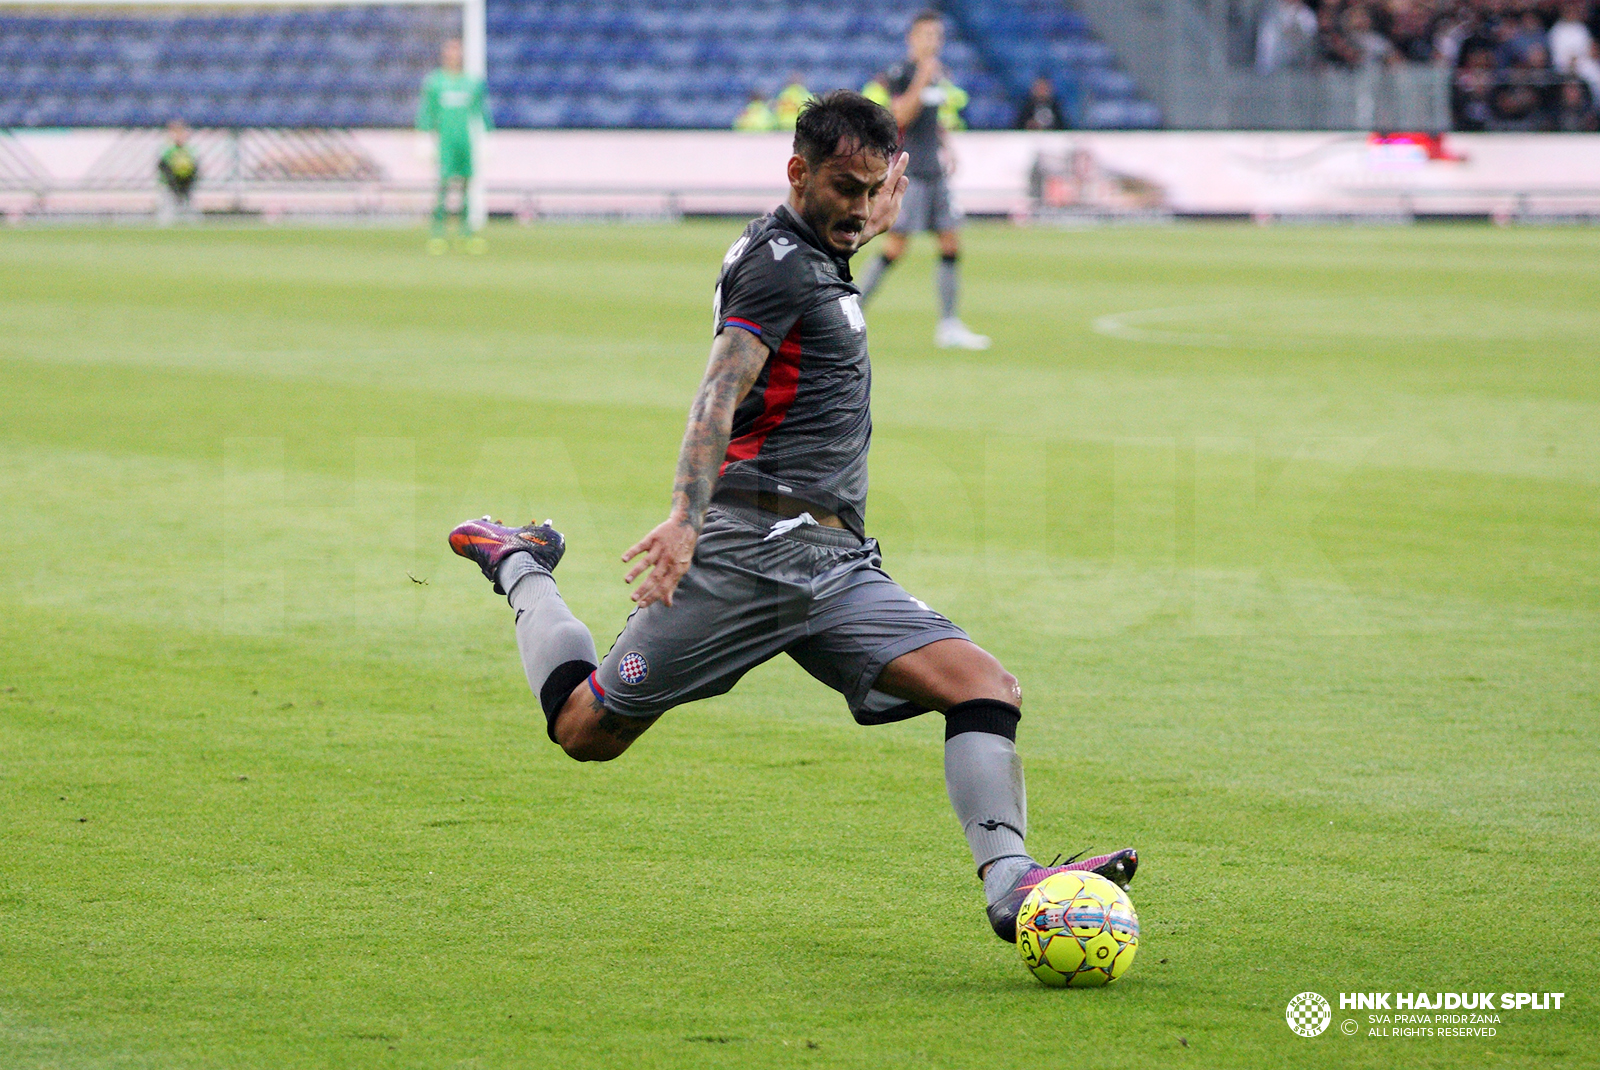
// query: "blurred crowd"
[[1518, 65], [781, 112]]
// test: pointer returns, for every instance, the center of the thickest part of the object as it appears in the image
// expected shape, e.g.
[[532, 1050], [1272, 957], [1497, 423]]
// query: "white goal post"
[[474, 44]]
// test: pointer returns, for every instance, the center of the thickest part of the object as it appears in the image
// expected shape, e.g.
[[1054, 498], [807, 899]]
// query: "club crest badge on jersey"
[[852, 312], [634, 668]]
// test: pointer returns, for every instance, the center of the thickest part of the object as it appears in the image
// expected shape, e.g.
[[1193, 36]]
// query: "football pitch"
[[1292, 536]]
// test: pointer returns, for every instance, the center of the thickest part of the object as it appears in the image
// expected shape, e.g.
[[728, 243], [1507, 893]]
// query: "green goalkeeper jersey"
[[450, 104]]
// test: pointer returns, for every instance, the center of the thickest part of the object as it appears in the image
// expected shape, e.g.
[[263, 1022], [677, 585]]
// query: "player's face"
[[926, 39], [836, 196], [450, 56]]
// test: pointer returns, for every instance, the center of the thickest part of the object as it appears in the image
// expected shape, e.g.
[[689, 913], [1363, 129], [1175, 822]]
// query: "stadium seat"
[[1108, 84], [1022, 39], [650, 63]]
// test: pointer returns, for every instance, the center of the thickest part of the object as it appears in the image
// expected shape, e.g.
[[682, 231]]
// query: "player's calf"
[[557, 651]]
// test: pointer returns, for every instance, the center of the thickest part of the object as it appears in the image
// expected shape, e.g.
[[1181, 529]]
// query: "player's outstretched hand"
[[887, 208], [667, 552]]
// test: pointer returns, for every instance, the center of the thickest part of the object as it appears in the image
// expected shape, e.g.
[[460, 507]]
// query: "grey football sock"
[[513, 569], [1003, 875], [948, 276], [875, 272], [984, 778], [557, 649]]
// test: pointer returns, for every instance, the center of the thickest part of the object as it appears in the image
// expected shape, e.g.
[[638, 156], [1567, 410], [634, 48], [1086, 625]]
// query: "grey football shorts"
[[815, 593], [927, 206]]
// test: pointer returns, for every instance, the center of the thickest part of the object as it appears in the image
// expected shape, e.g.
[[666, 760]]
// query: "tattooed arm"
[[737, 357]]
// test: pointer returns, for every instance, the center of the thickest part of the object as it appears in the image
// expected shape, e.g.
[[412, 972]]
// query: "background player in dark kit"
[[918, 88], [764, 550]]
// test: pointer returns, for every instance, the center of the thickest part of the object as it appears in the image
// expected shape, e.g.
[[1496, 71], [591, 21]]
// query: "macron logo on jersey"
[[781, 247]]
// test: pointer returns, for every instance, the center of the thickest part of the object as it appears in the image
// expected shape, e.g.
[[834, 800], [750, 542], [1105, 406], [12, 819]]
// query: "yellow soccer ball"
[[1077, 929]]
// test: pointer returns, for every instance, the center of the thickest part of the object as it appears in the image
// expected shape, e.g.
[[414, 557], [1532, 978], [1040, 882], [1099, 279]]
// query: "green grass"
[[1292, 535]]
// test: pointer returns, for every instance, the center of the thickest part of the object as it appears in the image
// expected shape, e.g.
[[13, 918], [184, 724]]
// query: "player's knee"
[[587, 752], [1011, 687], [576, 735], [990, 680], [1000, 685], [591, 747], [994, 682]]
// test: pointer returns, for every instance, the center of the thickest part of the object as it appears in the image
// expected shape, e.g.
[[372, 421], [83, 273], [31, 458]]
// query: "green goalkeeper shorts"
[[455, 158]]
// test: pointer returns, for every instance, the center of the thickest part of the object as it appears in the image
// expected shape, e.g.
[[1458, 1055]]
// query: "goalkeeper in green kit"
[[456, 106]]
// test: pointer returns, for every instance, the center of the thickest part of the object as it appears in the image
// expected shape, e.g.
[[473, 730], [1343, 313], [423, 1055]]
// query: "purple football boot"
[[1116, 867], [487, 542]]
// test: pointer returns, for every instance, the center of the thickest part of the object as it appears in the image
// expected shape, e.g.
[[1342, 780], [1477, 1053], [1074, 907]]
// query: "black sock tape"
[[982, 715], [558, 688], [949, 258]]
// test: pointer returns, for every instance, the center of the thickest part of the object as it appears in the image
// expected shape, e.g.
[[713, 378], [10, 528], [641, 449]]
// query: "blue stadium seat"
[[1025, 38], [1108, 84], [1122, 114], [652, 63]]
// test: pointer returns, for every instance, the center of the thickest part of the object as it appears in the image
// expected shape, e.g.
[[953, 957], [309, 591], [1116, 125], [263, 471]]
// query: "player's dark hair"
[[927, 14], [848, 118]]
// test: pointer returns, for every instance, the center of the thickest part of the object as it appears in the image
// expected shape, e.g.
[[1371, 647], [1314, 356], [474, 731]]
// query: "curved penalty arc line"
[[1125, 326], [1129, 327]]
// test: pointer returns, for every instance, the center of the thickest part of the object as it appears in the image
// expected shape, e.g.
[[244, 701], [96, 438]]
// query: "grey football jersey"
[[805, 427], [921, 137]]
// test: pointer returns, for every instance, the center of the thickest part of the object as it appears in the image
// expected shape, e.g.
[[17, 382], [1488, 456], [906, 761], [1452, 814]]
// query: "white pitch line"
[[1123, 325]]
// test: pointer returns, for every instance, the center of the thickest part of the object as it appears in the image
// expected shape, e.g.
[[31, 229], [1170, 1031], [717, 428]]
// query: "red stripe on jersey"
[[783, 379]]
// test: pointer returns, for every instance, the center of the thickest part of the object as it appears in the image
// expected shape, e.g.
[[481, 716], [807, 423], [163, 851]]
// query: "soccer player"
[[764, 550], [178, 170], [790, 99], [919, 91], [877, 89], [455, 105], [757, 117], [1042, 109]]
